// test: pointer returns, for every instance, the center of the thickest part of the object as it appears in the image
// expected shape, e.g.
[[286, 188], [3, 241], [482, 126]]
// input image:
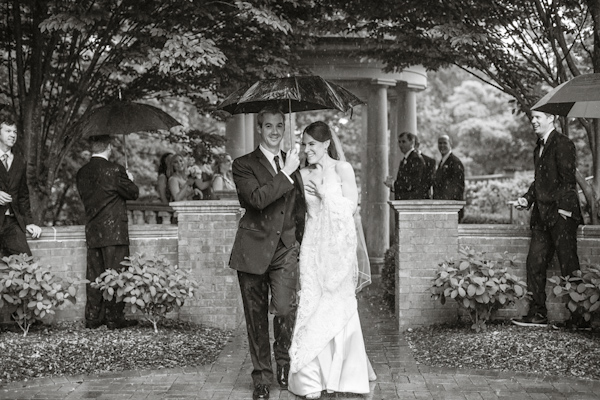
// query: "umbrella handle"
[[290, 128]]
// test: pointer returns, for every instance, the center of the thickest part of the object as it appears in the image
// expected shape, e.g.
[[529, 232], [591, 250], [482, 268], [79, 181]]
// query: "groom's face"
[[271, 131]]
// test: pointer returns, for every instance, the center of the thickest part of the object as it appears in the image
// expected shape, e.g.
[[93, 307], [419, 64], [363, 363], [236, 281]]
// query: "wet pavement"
[[398, 377]]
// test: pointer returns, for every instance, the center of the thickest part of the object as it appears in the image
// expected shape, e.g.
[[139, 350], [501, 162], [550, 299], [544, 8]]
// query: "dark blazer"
[[428, 176], [449, 180], [554, 186], [14, 182], [275, 209], [409, 183], [104, 187]]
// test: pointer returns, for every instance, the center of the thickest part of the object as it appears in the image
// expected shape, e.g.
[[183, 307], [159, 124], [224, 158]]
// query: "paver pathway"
[[399, 377]]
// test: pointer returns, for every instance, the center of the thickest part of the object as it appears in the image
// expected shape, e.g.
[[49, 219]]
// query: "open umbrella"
[[124, 117], [291, 94], [576, 98]]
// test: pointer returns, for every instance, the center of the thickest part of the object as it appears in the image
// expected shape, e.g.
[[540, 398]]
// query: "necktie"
[[5, 160], [276, 159], [540, 142]]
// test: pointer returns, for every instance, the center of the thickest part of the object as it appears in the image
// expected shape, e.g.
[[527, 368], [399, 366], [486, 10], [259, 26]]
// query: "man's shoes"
[[574, 324], [282, 375], [261, 392], [93, 324], [536, 319], [124, 323]]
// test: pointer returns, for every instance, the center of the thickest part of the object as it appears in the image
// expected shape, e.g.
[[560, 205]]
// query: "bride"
[[328, 351]]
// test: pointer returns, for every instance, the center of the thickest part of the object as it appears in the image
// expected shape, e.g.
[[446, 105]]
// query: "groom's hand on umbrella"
[[292, 162]]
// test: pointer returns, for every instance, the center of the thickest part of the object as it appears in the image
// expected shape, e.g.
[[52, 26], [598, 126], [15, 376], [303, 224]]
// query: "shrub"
[[582, 289], [150, 285], [32, 291], [388, 278], [480, 285]]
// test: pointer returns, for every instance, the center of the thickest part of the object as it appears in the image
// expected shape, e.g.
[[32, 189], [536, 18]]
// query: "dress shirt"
[[10, 158], [544, 140], [444, 158], [100, 155], [270, 157]]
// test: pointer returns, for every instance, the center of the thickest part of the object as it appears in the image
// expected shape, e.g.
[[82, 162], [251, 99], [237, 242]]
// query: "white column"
[[377, 208], [250, 128], [235, 132]]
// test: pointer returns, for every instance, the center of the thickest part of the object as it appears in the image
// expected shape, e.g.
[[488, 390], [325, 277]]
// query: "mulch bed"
[[70, 349]]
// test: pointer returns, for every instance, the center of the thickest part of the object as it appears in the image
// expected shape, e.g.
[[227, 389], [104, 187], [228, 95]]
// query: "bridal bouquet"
[[195, 172]]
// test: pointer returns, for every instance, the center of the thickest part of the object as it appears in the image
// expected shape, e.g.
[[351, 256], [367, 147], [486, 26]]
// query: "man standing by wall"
[[265, 250], [104, 187], [555, 215], [15, 211], [429, 170], [449, 178], [411, 177]]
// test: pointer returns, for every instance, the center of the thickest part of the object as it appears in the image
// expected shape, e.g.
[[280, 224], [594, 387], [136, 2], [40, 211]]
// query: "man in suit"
[[411, 179], [265, 250], [449, 178], [429, 169], [555, 215], [15, 211], [104, 187]]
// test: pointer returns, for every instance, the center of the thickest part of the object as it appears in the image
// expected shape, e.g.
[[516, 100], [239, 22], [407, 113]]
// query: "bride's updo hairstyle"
[[321, 132]]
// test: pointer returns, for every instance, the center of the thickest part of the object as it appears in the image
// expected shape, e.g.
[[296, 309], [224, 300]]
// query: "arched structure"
[[390, 108]]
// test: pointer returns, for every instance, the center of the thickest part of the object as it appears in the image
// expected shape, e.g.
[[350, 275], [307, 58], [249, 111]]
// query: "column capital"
[[427, 206], [206, 206], [403, 86], [383, 82]]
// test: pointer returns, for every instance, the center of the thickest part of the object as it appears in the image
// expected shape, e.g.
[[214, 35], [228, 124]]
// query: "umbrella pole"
[[125, 149], [290, 128]]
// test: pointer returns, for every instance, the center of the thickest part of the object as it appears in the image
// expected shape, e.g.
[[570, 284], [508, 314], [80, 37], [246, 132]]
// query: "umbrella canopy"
[[124, 117], [576, 98], [291, 94]]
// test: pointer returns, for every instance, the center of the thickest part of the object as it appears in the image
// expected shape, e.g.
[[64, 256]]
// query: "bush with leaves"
[[31, 291], [479, 284], [388, 278], [582, 289], [150, 285]]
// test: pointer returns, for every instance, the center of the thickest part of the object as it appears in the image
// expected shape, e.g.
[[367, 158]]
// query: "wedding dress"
[[327, 350]]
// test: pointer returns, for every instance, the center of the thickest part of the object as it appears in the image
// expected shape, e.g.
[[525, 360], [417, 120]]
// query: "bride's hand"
[[314, 188]]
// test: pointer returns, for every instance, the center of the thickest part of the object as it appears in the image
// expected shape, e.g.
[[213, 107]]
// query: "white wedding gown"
[[328, 350]]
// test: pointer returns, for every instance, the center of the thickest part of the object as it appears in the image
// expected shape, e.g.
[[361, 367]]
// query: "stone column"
[[364, 110], [206, 230], [235, 131], [406, 116], [250, 128], [377, 210], [427, 234]]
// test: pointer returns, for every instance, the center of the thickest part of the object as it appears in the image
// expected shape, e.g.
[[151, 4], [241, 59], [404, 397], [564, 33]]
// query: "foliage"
[[479, 284], [388, 278], [31, 291], [201, 145], [582, 291], [150, 285], [62, 58]]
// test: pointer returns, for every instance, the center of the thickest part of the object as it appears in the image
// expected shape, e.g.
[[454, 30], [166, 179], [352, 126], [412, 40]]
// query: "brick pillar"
[[206, 230], [427, 234]]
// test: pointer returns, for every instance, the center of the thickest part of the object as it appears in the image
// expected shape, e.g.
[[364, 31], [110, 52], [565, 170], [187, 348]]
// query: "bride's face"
[[314, 149]]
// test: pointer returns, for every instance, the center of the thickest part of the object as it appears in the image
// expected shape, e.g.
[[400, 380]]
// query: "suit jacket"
[[104, 188], [14, 182], [409, 183], [449, 180], [428, 176], [554, 186], [275, 210]]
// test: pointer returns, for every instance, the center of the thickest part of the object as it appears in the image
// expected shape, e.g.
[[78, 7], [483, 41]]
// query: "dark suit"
[[428, 176], [411, 178], [12, 228], [265, 254], [104, 187], [449, 181], [554, 188]]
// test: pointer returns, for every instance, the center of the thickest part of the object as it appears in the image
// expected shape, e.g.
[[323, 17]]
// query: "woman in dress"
[[223, 178], [180, 184], [328, 351], [161, 182]]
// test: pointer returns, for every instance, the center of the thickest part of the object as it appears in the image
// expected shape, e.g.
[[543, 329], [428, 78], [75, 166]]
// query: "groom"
[[265, 250]]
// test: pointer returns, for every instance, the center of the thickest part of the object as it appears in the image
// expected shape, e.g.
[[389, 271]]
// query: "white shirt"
[[444, 158], [10, 158], [271, 158], [100, 155], [545, 139]]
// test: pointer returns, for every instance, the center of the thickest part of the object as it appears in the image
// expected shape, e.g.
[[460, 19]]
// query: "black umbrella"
[[124, 117], [294, 94], [576, 98]]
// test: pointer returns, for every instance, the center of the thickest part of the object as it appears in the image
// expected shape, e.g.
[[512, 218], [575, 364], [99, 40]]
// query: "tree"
[[519, 47], [63, 57]]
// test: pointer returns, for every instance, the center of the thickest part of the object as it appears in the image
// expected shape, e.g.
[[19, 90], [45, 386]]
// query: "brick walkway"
[[399, 377]]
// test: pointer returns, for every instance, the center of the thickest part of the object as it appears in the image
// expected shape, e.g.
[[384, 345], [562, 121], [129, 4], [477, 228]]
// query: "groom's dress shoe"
[[261, 392], [282, 375]]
